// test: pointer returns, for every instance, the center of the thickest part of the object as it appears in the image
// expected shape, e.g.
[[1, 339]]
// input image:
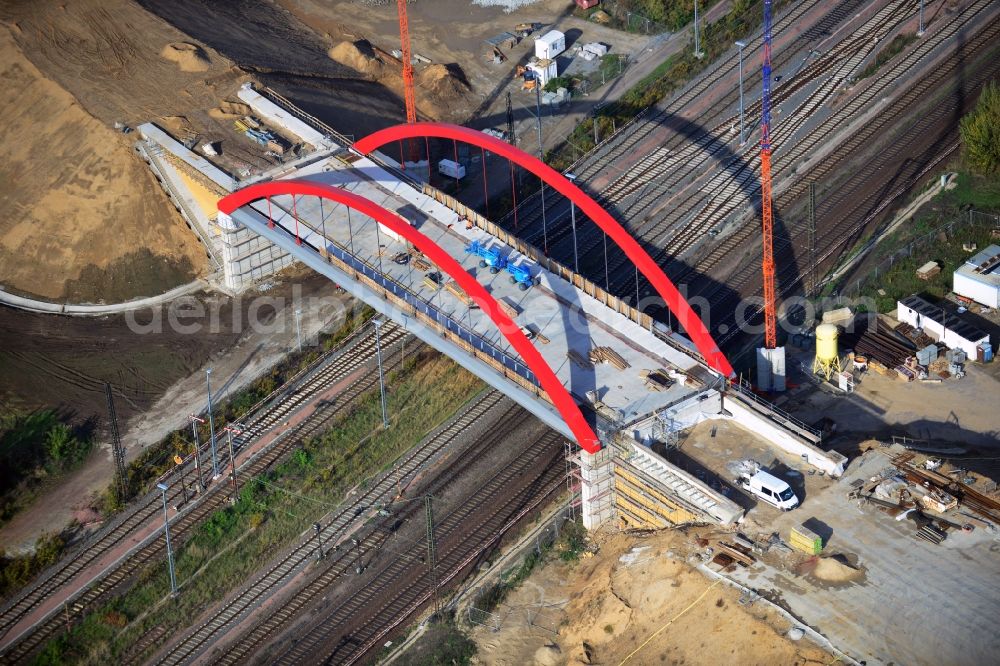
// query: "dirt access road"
[[158, 378]]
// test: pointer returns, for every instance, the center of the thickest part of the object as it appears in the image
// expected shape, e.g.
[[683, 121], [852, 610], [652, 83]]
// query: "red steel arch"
[[560, 397], [687, 317]]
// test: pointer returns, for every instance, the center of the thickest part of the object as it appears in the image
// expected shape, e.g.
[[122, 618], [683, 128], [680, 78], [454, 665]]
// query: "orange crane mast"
[[767, 221], [404, 38]]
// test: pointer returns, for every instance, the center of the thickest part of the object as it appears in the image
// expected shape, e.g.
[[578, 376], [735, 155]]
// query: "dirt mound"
[[189, 57], [359, 56], [227, 110], [446, 82], [836, 569], [83, 198]]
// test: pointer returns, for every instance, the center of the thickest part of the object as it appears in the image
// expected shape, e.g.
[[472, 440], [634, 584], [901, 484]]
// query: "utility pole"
[[572, 216], [197, 450], [381, 378], [298, 328], [211, 424], [319, 541], [117, 447], [232, 460], [812, 238], [431, 552], [920, 30], [741, 44], [541, 156], [166, 533], [511, 139], [698, 53], [358, 569]]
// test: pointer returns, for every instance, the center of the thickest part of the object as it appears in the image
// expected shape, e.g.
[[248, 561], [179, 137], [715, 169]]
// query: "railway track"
[[400, 588], [637, 196], [333, 532], [341, 563], [358, 353], [673, 231], [637, 178], [853, 214]]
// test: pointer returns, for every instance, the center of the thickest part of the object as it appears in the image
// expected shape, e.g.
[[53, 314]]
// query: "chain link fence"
[[893, 276]]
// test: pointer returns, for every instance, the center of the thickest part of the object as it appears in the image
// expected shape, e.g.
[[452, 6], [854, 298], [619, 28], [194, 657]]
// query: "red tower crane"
[[404, 39], [767, 221]]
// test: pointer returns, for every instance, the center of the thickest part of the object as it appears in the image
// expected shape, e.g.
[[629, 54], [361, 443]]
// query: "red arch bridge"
[[546, 337]]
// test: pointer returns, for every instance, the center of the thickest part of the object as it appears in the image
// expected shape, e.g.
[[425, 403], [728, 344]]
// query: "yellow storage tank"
[[827, 361]]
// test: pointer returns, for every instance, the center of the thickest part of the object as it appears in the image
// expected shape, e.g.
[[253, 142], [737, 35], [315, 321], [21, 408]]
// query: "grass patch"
[[443, 644], [17, 570], [272, 511], [36, 449], [930, 236], [887, 53]]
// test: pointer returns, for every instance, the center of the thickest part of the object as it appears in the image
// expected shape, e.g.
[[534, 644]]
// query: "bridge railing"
[[413, 305], [557, 268]]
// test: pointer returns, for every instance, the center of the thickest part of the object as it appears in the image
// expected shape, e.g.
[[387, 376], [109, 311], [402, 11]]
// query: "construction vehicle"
[[488, 256], [521, 276]]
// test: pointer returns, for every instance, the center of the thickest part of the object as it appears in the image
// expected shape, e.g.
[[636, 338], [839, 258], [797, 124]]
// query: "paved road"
[[34, 305]]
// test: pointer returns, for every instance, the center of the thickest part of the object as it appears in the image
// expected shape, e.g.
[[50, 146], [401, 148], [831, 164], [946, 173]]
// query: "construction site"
[[516, 332]]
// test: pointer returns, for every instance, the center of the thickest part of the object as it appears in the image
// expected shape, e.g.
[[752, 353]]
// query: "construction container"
[[550, 44], [543, 69], [451, 169], [927, 355], [804, 539]]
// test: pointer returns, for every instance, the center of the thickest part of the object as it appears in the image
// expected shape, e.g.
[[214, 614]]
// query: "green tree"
[[60, 445], [980, 130]]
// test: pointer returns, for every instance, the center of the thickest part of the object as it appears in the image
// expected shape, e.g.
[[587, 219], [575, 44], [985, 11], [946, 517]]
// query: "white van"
[[770, 488]]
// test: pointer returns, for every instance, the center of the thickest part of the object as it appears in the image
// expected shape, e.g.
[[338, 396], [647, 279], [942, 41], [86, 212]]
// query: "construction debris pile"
[[936, 498]]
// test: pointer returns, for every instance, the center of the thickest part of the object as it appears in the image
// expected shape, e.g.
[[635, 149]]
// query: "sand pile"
[[446, 82], [836, 569], [360, 57], [227, 110], [189, 57], [82, 198]]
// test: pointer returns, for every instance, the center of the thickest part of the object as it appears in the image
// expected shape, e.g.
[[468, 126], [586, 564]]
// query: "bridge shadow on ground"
[[715, 296]]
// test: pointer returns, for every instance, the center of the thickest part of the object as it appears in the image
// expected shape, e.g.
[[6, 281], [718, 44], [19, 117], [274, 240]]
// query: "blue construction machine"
[[488, 256], [492, 257]]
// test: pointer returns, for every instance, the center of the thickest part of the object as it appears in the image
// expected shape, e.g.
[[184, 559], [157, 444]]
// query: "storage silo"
[[827, 361]]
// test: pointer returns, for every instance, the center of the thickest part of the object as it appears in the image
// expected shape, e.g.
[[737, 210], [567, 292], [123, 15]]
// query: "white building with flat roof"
[[979, 277], [946, 327]]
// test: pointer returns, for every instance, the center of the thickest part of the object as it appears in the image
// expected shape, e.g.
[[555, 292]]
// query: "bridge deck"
[[556, 310]]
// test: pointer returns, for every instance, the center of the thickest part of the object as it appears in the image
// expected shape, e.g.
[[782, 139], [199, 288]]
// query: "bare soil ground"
[[158, 379], [638, 602], [78, 202], [461, 47]]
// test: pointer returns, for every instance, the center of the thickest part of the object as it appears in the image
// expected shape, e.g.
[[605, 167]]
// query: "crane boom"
[[767, 220], [404, 38]]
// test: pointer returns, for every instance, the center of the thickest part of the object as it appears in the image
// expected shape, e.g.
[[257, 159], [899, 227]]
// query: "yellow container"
[[826, 343]]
